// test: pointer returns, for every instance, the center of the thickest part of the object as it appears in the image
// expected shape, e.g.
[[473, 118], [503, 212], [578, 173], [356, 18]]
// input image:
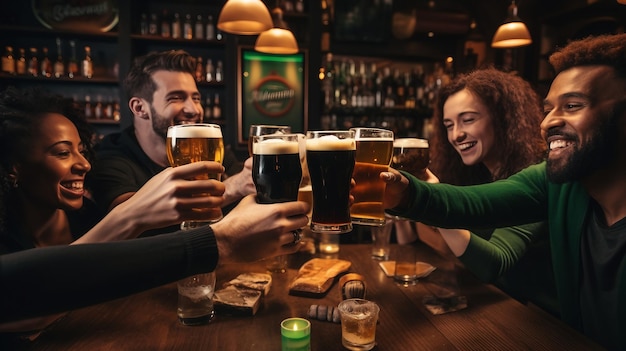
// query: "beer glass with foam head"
[[374, 148], [187, 143], [411, 155], [276, 167], [265, 129], [330, 157]]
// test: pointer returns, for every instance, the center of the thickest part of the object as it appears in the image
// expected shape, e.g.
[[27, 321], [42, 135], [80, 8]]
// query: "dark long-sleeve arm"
[[55, 279]]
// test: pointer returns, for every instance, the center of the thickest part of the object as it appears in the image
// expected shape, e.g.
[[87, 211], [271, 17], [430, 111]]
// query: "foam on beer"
[[194, 131], [330, 143], [411, 143], [275, 147]]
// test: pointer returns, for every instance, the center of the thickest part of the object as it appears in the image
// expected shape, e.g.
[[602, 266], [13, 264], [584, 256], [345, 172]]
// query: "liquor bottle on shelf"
[[98, 110], [72, 65], [217, 107], [87, 66], [176, 27], [208, 109], [200, 75], [143, 24], [59, 65], [116, 111], [166, 26], [20, 63], [153, 27], [219, 71], [210, 70], [299, 6], [326, 26], [88, 107], [199, 28], [33, 63], [46, 64], [187, 27], [8, 60], [210, 28]]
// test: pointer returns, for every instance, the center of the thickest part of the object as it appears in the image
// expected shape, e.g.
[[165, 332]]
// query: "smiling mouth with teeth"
[[466, 146], [73, 185], [559, 144]]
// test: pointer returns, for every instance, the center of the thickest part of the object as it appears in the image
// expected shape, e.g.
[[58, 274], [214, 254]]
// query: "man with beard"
[[580, 191], [162, 92]]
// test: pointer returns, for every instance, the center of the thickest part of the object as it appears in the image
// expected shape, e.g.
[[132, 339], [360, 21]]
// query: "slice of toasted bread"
[[317, 275]]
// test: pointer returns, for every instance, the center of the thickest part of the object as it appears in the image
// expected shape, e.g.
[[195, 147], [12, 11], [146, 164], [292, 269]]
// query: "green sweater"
[[525, 197]]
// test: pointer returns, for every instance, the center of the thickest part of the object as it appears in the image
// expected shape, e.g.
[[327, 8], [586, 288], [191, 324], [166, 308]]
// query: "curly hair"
[[516, 113], [138, 81], [606, 50], [20, 112]]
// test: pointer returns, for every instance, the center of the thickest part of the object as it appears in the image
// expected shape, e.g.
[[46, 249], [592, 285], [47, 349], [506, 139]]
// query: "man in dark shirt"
[[163, 92]]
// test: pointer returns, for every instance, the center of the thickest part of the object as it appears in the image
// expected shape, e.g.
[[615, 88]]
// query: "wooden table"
[[148, 321]]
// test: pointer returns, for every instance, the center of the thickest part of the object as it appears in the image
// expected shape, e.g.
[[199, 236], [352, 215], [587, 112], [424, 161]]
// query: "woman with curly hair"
[[486, 128]]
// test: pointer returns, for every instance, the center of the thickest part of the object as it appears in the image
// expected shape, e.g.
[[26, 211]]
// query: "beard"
[[597, 153], [160, 124]]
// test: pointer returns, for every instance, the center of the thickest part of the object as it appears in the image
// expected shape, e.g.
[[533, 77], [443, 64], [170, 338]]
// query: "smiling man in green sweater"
[[580, 191]]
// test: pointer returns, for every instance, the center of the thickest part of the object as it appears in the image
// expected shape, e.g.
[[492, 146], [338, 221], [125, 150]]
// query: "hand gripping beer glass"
[[374, 147], [187, 143], [330, 158]]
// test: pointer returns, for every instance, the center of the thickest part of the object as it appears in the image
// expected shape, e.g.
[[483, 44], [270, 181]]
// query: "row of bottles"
[[209, 71], [348, 83], [178, 27], [212, 108], [38, 63], [99, 107]]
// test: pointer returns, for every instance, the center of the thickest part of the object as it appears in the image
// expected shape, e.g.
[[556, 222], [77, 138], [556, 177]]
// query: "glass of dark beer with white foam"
[[276, 167], [330, 158], [374, 147], [187, 143]]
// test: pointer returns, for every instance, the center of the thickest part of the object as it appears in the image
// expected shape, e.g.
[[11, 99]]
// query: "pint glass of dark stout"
[[374, 147], [330, 157], [411, 155], [265, 129], [187, 143], [276, 167]]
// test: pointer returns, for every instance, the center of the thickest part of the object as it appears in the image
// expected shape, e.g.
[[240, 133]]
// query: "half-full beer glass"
[[410, 155], [330, 157], [374, 147], [187, 143]]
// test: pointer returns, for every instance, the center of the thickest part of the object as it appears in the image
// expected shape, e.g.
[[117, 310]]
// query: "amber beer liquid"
[[374, 148], [276, 168], [330, 157], [189, 143], [411, 155]]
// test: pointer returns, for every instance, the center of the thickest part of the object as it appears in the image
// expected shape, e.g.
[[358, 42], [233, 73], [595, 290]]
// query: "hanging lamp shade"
[[244, 17], [513, 32], [276, 41]]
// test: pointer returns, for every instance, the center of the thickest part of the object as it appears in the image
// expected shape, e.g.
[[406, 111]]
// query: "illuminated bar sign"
[[77, 15], [272, 91]]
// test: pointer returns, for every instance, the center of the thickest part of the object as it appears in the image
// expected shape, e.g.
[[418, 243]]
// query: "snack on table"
[[235, 301], [255, 281], [317, 275]]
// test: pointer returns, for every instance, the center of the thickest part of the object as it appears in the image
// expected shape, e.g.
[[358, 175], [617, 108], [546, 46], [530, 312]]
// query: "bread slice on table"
[[317, 275], [255, 281]]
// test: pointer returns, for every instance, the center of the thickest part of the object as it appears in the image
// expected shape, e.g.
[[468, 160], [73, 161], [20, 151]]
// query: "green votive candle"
[[296, 334]]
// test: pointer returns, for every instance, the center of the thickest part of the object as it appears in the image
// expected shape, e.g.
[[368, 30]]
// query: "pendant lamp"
[[244, 17], [513, 32], [277, 40]]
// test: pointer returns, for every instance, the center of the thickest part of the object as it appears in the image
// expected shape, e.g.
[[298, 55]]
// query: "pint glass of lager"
[[374, 147], [276, 168], [330, 158], [187, 143], [265, 129], [411, 155]]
